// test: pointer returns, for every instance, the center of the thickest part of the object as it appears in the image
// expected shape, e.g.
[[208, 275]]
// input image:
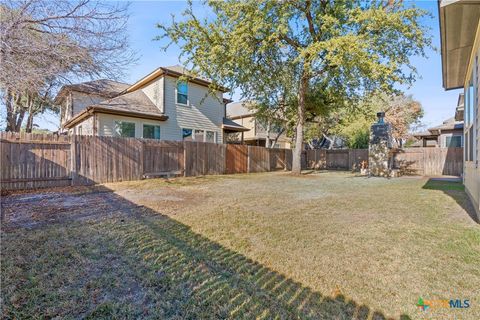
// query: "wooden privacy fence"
[[409, 161], [345, 159], [429, 161], [35, 160]]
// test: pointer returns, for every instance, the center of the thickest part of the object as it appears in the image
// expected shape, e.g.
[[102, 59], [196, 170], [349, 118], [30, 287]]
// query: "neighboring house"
[[460, 47], [257, 134], [447, 135], [168, 104]]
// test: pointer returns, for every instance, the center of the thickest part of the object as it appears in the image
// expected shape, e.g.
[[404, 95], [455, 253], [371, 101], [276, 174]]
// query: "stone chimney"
[[379, 147]]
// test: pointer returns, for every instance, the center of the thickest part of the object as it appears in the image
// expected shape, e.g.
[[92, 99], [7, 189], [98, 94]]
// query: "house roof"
[[237, 110], [103, 87], [422, 134], [174, 71], [231, 125], [449, 124], [135, 104], [459, 20]]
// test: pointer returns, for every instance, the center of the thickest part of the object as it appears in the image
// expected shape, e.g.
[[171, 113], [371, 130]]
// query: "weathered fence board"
[[429, 161], [236, 158], [34, 160], [162, 156], [258, 159], [107, 159]]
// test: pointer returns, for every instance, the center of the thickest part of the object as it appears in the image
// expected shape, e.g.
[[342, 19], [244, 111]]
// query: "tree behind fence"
[[39, 160]]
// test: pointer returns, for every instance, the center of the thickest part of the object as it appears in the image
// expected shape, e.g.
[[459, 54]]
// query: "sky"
[[438, 104]]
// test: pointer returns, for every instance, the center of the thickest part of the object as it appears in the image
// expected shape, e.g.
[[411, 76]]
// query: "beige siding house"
[[460, 44], [447, 135], [168, 104], [257, 133]]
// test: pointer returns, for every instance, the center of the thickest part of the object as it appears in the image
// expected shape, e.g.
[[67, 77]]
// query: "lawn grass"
[[326, 245]]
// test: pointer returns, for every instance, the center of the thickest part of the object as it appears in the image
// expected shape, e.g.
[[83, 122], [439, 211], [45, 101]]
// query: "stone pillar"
[[379, 147]]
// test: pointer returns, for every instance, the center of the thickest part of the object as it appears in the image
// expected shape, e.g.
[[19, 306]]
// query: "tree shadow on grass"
[[220, 283], [194, 277], [454, 188]]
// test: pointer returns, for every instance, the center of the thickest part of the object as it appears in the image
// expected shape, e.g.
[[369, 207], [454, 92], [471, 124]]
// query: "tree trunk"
[[21, 115], [297, 151], [11, 116], [267, 138], [29, 125]]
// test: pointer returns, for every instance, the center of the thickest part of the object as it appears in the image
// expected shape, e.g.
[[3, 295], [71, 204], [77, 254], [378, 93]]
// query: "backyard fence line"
[[31, 161], [409, 161]]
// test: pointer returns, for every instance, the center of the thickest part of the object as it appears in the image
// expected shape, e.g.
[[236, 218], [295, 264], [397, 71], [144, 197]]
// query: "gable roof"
[[103, 87], [135, 104], [237, 110], [449, 124], [174, 71]]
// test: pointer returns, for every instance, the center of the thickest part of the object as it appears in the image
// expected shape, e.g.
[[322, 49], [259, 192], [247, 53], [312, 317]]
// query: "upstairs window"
[[125, 129], [182, 92]]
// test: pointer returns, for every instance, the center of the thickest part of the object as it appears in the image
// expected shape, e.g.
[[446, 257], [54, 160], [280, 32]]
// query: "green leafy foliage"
[[302, 57]]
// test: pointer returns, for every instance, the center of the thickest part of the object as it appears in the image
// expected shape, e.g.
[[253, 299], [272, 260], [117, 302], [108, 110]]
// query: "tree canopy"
[[401, 111], [305, 56], [45, 43]]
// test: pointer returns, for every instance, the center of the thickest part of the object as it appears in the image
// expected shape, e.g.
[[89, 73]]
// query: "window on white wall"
[[182, 92], [187, 134], [125, 129], [210, 136], [151, 131], [199, 135]]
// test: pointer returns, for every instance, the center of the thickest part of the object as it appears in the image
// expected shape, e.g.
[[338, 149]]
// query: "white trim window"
[[181, 96], [151, 131], [199, 135], [125, 129], [210, 136]]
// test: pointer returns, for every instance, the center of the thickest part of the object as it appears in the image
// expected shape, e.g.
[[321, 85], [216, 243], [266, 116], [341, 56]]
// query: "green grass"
[[327, 245]]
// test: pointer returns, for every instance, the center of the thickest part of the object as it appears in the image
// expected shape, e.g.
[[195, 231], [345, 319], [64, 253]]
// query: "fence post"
[[142, 159], [184, 159], [248, 159], [73, 159]]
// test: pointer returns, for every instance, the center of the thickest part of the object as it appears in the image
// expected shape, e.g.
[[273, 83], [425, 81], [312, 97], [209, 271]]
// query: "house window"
[[151, 131], [187, 134], [80, 130], [210, 136], [125, 129], [199, 135], [453, 142], [182, 92]]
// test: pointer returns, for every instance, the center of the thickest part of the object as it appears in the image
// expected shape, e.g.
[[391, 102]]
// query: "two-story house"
[[460, 45], [258, 130], [168, 104]]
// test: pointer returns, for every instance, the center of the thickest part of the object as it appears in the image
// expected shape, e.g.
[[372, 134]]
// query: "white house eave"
[[458, 25]]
